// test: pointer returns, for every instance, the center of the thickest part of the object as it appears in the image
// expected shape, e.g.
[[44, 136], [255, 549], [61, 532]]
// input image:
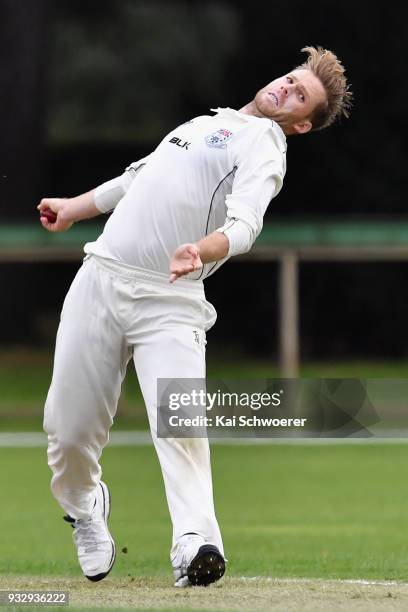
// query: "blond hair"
[[329, 70]]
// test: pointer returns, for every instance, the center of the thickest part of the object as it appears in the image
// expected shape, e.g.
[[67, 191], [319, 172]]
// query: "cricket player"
[[178, 214]]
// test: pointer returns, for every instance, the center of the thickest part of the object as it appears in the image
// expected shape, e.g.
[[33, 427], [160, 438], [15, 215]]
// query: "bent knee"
[[70, 441]]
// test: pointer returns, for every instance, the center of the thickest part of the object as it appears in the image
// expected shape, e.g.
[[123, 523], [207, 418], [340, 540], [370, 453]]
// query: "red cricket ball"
[[49, 214]]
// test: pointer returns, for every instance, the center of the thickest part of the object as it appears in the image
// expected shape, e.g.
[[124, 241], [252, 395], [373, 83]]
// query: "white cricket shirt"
[[212, 173]]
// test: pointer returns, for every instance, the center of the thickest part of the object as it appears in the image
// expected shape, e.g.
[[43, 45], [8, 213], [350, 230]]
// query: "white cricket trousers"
[[111, 313]]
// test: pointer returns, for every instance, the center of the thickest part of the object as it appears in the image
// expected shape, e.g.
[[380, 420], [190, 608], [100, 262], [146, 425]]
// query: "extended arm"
[[100, 200], [68, 211]]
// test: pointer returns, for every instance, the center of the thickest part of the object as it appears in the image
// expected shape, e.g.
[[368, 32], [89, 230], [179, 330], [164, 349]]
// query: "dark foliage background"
[[87, 87]]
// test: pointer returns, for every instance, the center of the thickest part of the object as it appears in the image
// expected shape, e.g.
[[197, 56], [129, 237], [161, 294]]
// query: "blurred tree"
[[24, 28], [128, 71]]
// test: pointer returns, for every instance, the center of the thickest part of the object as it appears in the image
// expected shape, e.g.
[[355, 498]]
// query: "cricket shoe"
[[95, 545], [196, 562]]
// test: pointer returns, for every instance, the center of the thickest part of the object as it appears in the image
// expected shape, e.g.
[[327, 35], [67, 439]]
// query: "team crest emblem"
[[218, 139]]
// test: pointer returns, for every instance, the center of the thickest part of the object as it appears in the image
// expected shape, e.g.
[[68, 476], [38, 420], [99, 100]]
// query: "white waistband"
[[181, 285]]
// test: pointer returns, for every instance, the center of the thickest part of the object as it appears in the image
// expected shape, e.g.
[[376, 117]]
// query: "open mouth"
[[275, 97]]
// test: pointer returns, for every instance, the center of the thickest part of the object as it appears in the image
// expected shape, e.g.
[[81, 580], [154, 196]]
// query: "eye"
[[289, 79], [301, 97]]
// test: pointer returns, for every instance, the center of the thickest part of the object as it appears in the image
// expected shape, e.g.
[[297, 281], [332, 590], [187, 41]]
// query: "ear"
[[302, 127]]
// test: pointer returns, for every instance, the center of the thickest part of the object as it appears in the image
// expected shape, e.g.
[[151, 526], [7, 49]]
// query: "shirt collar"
[[231, 112]]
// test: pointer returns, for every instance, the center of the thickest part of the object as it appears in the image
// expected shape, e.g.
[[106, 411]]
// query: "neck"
[[252, 109]]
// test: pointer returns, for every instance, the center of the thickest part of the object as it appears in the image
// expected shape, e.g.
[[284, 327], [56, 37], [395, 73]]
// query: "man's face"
[[291, 99]]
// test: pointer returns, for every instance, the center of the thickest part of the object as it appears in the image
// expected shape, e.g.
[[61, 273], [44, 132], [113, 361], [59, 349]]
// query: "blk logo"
[[180, 143]]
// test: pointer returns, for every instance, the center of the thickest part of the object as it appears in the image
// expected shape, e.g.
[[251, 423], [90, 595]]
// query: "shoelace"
[[86, 533]]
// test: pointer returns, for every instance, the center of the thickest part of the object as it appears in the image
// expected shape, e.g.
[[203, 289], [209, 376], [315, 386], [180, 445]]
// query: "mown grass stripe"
[[35, 439]]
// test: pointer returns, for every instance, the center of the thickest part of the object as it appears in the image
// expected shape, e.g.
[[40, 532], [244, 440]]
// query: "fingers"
[[48, 213], [47, 224], [49, 209], [194, 253], [186, 259], [181, 270], [192, 250], [49, 204], [175, 273]]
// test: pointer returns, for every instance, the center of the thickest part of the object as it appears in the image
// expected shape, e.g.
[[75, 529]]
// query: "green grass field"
[[286, 511], [301, 523], [316, 512]]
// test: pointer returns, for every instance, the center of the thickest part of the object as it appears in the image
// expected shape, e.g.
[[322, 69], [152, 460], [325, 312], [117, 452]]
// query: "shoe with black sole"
[[95, 545], [197, 562], [207, 566]]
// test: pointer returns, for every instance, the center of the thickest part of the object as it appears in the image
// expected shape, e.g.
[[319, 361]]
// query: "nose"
[[288, 88]]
